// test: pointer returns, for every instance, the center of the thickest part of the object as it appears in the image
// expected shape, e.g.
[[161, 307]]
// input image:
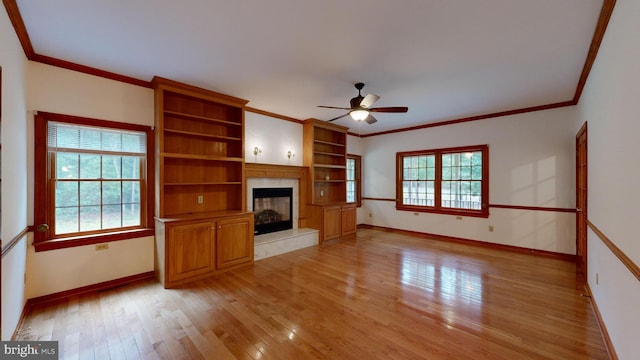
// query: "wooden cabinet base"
[[333, 221], [191, 248]]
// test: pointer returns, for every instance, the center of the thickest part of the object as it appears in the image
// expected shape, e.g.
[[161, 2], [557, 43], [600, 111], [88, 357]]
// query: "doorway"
[[581, 202]]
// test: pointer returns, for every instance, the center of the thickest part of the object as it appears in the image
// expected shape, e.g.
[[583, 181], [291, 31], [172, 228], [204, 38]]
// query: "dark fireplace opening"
[[272, 209]]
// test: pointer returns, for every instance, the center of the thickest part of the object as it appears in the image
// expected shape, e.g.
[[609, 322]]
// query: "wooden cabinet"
[[202, 225], [349, 219], [191, 248], [334, 221], [231, 246]]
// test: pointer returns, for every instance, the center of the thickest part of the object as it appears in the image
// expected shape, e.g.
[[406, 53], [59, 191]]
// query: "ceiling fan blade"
[[370, 119], [334, 107], [391, 109], [339, 117], [369, 100]]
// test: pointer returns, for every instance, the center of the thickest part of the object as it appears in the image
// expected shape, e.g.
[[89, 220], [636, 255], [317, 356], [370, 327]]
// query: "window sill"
[[55, 244], [456, 212]]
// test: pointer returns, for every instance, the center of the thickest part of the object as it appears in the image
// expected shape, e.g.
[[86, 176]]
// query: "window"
[[354, 189], [447, 181], [92, 181]]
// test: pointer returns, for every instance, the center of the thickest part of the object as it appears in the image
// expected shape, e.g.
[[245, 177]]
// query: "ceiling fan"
[[361, 107]]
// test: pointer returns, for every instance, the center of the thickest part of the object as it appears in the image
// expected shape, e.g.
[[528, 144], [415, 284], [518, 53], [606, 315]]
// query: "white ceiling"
[[443, 59]]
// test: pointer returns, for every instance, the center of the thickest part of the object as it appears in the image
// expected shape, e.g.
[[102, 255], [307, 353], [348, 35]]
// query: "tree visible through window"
[[444, 180], [91, 180]]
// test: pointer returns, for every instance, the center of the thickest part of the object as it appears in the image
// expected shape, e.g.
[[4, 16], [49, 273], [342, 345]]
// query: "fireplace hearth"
[[272, 208]]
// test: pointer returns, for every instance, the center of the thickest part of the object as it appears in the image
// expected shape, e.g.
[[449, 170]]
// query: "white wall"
[[14, 173], [531, 163], [610, 106], [275, 137], [90, 96]]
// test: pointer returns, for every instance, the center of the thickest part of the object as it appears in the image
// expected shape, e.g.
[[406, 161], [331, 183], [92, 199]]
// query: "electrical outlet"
[[200, 199], [370, 215], [102, 247], [321, 192], [490, 228]]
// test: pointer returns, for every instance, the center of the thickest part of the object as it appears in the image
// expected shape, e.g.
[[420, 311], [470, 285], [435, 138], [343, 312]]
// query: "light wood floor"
[[377, 295]]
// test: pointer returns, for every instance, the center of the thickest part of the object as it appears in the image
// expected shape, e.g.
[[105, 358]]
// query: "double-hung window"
[[447, 181], [354, 188], [92, 180]]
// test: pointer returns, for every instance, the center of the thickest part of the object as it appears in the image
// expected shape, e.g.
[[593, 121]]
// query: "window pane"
[[63, 136], [90, 193], [476, 173], [66, 193], [422, 173], [66, 220], [111, 141], [89, 139], [111, 167], [130, 214], [446, 173], [66, 166], [446, 160], [431, 174], [130, 167], [111, 192], [130, 192], [111, 216], [133, 143], [89, 166], [89, 218]]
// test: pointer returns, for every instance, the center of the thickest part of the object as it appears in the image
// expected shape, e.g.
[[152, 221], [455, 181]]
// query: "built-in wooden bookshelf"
[[325, 153], [202, 224], [199, 135]]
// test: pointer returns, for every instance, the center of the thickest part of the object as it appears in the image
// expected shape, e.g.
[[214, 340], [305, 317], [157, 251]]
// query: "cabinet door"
[[332, 222], [191, 250], [349, 221], [234, 243]]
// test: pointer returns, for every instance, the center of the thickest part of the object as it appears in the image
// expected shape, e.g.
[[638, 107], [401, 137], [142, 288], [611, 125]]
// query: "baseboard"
[[78, 291], [608, 344], [517, 249]]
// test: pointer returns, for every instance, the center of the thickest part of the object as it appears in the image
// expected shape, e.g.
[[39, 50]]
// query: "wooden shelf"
[[328, 143], [330, 181], [328, 153], [201, 157], [198, 117], [210, 136], [205, 183], [329, 166]]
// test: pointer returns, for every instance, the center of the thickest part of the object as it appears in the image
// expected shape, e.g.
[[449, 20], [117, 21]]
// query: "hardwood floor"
[[375, 295]]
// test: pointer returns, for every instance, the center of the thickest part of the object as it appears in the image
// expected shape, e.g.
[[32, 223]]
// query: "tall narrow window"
[[449, 181], [354, 192], [95, 178]]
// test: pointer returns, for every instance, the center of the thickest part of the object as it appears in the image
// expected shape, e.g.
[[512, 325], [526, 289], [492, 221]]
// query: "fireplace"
[[272, 209]]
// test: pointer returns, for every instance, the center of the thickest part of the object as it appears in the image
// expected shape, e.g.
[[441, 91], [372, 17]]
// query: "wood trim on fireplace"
[[253, 170]]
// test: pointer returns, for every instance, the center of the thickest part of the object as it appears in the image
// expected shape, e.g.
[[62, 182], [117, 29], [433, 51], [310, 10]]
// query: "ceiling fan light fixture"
[[359, 115]]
